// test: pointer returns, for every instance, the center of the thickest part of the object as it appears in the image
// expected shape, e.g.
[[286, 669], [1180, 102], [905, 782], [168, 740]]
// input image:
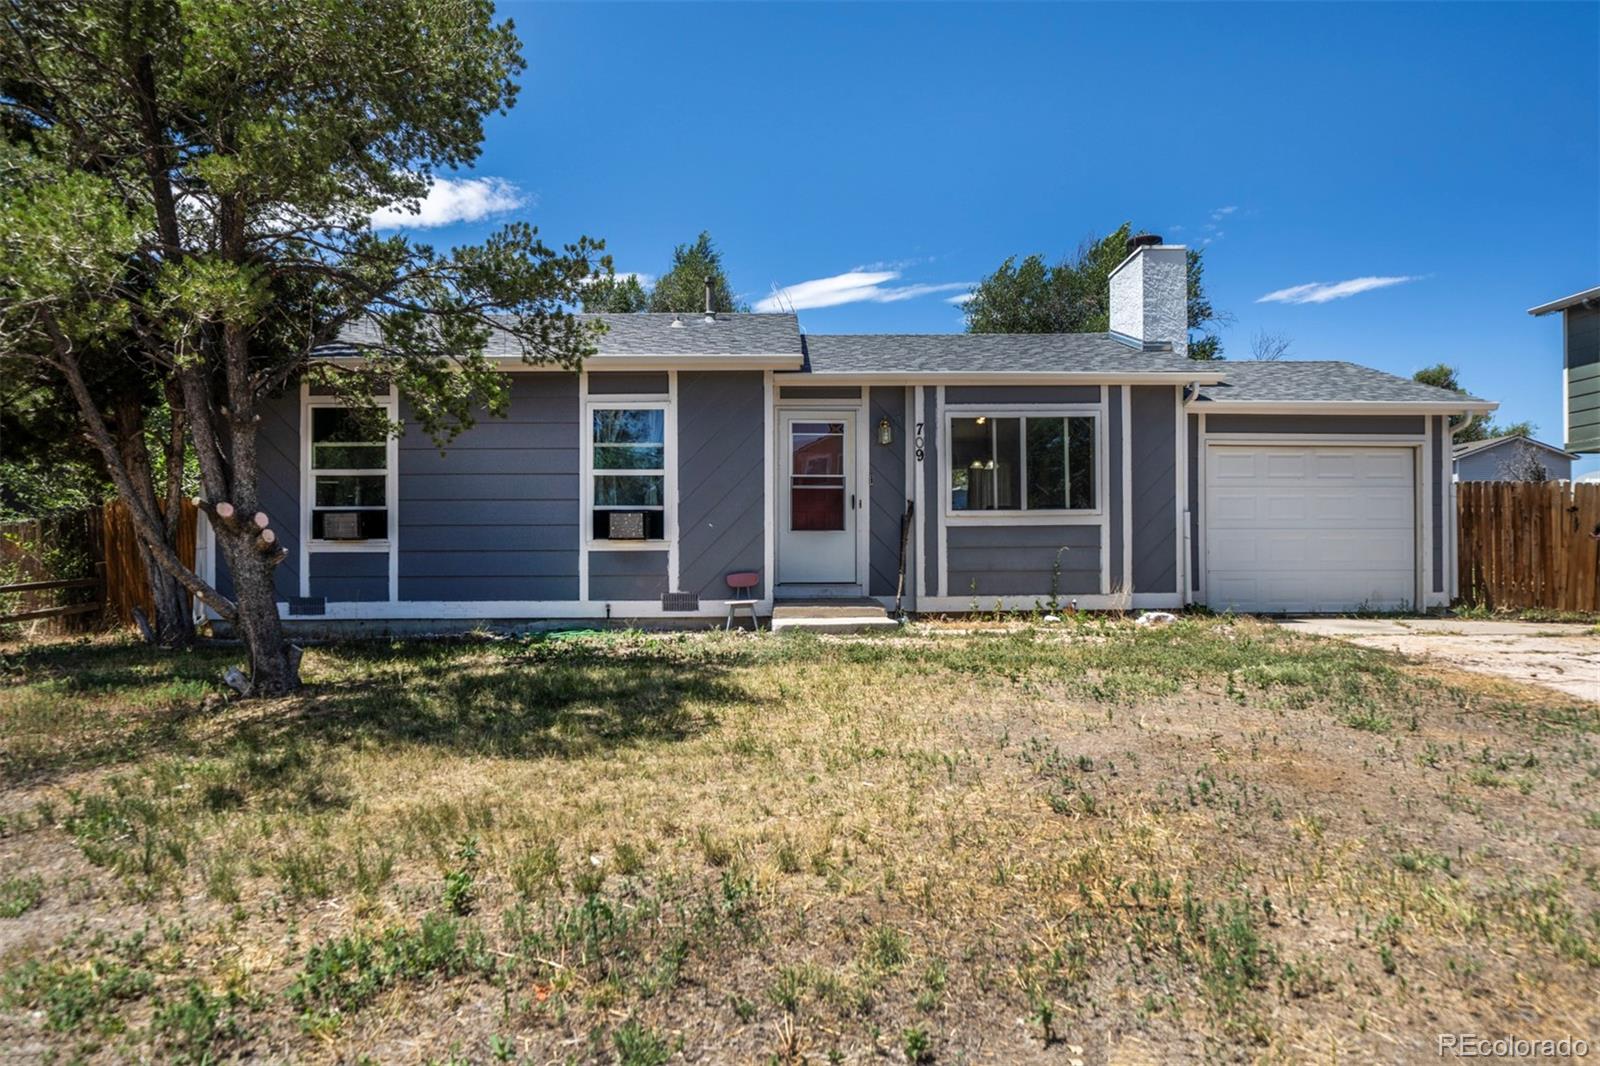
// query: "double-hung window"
[[1023, 463], [349, 476], [628, 472]]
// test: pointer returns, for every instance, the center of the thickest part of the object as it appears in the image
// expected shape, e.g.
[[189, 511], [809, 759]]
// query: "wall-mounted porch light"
[[885, 432]]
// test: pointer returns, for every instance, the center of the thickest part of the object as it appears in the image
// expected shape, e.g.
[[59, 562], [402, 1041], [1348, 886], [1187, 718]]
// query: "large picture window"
[[627, 460], [349, 476], [1023, 463]]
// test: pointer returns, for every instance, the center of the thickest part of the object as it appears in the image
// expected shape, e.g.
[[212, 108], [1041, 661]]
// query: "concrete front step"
[[831, 615]]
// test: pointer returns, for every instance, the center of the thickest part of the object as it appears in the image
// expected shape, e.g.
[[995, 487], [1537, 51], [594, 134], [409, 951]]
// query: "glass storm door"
[[817, 500]]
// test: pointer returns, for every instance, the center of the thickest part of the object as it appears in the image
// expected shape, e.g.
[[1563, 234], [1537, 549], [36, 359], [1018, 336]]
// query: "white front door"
[[1305, 528], [817, 498]]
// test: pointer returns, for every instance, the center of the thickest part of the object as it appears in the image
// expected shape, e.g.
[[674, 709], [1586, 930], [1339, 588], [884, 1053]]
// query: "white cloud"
[[1320, 292], [452, 200], [854, 286], [897, 264], [1223, 212], [960, 299]]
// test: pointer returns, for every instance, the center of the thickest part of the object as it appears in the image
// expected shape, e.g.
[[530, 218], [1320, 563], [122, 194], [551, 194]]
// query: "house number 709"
[[919, 452]]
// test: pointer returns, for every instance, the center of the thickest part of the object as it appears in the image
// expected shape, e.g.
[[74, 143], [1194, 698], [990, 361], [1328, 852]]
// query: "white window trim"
[[390, 404], [1023, 516], [668, 474]]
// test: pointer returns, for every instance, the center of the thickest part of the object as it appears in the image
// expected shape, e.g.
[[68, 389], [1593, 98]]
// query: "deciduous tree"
[[1469, 428], [1073, 296]]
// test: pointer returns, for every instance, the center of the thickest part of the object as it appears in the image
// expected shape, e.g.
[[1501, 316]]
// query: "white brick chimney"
[[1150, 293]]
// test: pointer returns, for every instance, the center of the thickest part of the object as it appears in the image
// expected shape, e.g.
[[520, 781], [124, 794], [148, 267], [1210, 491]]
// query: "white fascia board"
[[1565, 302], [1351, 407], [1010, 377]]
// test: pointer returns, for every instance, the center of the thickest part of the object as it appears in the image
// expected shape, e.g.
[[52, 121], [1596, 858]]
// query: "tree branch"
[[144, 524]]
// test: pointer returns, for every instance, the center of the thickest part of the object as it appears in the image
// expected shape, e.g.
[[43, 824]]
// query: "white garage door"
[[1309, 529]]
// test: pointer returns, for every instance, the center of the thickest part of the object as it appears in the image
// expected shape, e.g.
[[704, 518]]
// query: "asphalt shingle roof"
[[977, 353], [1288, 381], [1320, 381], [655, 334]]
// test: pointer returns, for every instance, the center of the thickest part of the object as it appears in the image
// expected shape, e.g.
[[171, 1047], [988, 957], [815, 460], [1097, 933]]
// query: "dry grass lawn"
[[1214, 841]]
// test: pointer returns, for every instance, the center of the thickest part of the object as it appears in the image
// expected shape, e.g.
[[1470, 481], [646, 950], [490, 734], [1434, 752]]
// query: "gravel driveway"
[[1564, 656]]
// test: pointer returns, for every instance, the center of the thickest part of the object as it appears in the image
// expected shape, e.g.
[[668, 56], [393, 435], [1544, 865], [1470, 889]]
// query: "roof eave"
[[1012, 377], [1584, 297], [754, 361], [1479, 447], [743, 361], [1336, 407]]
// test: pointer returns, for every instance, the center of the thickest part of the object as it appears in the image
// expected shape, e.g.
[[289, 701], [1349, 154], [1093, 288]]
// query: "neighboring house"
[[1580, 360], [1105, 468], [1504, 459]]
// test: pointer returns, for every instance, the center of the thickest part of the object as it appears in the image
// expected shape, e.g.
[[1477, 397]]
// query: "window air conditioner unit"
[[341, 526], [625, 525]]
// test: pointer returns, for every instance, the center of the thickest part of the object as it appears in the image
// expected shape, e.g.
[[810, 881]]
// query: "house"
[[1103, 468], [1580, 379], [1504, 459]]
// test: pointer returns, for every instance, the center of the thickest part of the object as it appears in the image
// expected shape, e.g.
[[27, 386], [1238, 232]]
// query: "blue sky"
[[1451, 151]]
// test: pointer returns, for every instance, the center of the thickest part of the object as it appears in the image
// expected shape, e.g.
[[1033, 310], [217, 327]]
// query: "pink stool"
[[743, 585]]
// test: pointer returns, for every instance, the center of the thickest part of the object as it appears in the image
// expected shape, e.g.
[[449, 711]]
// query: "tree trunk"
[[274, 662], [173, 626]]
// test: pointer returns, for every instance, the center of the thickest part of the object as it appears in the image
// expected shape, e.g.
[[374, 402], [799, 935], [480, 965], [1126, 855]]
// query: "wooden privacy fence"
[[1529, 544], [50, 572], [92, 556], [126, 584]]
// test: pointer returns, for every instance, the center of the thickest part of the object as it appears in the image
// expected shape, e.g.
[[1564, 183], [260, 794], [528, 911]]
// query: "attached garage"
[[1292, 528]]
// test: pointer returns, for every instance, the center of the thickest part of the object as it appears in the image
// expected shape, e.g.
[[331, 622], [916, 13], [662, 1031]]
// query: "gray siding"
[[1020, 560], [721, 480], [1488, 465], [819, 392], [619, 382], [496, 516], [931, 505], [630, 575], [1155, 489], [278, 452], [887, 474], [342, 577], [1582, 328], [1113, 490], [1355, 424], [1003, 394]]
